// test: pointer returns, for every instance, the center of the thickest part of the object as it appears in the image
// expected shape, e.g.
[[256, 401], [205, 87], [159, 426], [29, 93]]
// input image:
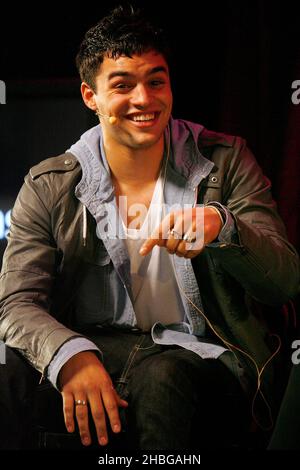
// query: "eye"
[[157, 83], [123, 86]]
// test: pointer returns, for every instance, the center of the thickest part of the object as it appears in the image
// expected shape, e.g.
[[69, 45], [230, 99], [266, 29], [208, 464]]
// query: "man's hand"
[[186, 232], [83, 377]]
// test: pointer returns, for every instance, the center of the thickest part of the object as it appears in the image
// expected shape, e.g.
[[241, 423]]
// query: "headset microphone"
[[111, 119]]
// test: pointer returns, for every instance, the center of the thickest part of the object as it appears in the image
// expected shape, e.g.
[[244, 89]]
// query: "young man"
[[133, 307]]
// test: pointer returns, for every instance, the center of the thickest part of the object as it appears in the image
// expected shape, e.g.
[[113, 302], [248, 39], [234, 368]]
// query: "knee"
[[163, 374]]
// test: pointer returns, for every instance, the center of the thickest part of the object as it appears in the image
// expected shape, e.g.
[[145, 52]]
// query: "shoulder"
[[64, 163], [209, 139], [54, 178], [229, 153], [225, 150], [182, 130]]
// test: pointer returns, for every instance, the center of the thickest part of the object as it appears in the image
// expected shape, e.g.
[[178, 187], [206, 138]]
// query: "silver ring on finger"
[[175, 234], [80, 402], [189, 239]]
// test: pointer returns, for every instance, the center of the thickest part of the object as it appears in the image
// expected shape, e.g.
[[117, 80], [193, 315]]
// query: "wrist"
[[215, 223], [221, 215], [75, 364]]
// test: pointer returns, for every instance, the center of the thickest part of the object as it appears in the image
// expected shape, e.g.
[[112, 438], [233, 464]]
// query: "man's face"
[[137, 92]]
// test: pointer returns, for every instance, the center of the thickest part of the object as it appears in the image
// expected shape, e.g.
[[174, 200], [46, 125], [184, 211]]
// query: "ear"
[[88, 96]]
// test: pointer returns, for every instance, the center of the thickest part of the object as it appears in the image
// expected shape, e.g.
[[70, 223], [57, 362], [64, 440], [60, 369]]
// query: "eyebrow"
[[121, 73]]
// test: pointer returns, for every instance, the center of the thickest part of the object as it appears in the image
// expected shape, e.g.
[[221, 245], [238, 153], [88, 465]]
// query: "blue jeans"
[[176, 399]]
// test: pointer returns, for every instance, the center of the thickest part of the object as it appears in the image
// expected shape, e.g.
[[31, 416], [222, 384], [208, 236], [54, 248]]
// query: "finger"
[[189, 249], [110, 402], [182, 222], [120, 401], [194, 243], [181, 249], [99, 419], [159, 235], [174, 242], [190, 246], [193, 253], [194, 233], [68, 410], [81, 412]]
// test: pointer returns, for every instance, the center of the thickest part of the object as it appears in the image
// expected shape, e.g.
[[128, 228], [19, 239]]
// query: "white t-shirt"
[[156, 294]]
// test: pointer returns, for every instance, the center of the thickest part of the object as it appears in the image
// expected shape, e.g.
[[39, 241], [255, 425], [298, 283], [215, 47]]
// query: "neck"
[[134, 167]]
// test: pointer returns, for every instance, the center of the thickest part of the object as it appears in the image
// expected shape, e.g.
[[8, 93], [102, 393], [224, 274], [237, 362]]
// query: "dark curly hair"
[[125, 31]]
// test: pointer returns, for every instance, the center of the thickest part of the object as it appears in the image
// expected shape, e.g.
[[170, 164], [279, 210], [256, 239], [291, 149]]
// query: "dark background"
[[234, 67]]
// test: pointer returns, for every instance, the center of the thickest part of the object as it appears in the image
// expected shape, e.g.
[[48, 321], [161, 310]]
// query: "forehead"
[[138, 64]]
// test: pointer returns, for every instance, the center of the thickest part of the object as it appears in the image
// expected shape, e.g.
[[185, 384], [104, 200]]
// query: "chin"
[[145, 143], [146, 139]]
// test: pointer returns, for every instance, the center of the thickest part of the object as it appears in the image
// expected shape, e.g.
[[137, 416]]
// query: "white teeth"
[[144, 117]]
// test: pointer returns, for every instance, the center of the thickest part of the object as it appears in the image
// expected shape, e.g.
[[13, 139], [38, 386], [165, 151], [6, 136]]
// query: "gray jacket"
[[57, 251]]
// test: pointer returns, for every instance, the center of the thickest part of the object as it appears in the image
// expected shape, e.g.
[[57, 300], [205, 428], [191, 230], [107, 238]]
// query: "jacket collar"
[[186, 160]]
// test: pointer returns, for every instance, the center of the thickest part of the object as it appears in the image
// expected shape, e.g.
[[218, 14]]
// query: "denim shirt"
[[187, 167]]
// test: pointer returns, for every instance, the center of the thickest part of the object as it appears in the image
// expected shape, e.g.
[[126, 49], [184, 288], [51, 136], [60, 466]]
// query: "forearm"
[[25, 321], [31, 330], [252, 246], [262, 260]]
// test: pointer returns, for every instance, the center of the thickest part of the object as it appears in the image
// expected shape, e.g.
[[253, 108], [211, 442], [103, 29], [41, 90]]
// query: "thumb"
[[120, 401]]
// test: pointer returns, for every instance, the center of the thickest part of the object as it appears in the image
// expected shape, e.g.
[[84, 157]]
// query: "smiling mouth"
[[143, 118]]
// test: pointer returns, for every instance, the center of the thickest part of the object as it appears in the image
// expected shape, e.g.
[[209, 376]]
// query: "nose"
[[141, 96]]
